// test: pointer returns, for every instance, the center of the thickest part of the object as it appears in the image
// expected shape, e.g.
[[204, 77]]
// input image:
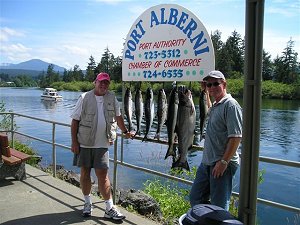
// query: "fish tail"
[[145, 138], [178, 164], [201, 136], [170, 152], [138, 132], [130, 126]]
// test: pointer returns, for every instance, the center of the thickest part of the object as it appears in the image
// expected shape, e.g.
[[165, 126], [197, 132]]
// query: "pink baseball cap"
[[102, 76]]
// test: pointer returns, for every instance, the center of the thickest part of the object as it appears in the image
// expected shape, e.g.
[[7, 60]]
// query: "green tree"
[[77, 73], [286, 66], [4, 77], [235, 51], [106, 63], [67, 76], [267, 67], [50, 77], [224, 61], [218, 45], [5, 119], [90, 70], [116, 71], [24, 81], [110, 65], [41, 79]]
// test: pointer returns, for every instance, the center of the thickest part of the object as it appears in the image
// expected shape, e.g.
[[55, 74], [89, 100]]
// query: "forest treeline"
[[280, 76]]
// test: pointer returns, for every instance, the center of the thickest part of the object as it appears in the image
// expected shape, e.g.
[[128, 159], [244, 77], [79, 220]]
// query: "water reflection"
[[49, 105], [279, 128], [280, 131], [280, 104]]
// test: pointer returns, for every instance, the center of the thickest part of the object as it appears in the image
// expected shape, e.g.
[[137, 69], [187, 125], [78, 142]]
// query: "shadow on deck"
[[43, 200]]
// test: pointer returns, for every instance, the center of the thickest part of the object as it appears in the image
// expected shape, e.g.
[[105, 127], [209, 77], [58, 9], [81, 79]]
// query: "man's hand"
[[75, 147], [219, 169], [203, 85], [129, 135]]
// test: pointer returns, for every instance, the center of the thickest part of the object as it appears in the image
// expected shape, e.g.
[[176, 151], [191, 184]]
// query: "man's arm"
[[231, 148], [74, 130], [121, 125]]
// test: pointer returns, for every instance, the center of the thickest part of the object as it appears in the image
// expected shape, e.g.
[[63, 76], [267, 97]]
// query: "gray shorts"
[[92, 158]]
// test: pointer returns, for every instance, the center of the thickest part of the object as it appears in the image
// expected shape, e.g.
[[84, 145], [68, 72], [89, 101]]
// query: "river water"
[[279, 138]]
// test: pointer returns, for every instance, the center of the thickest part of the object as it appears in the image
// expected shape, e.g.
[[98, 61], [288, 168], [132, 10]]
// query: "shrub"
[[271, 89], [235, 87], [29, 151], [172, 200]]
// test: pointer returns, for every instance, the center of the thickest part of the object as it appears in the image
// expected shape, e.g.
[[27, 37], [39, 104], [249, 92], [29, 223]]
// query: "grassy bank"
[[270, 89]]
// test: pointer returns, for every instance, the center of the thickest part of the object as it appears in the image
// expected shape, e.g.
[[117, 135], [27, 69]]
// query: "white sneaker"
[[87, 210], [114, 214]]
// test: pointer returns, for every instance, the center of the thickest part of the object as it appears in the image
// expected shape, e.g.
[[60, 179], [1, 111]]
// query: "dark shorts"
[[92, 158]]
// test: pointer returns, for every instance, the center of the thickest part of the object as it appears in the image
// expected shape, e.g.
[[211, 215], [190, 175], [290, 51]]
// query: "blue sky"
[[68, 32]]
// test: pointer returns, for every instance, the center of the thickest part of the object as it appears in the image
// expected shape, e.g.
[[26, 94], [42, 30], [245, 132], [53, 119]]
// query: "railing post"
[[115, 169], [12, 130], [251, 111], [53, 151], [123, 110]]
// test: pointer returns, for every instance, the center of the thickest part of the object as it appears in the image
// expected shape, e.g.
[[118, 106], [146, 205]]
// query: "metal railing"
[[117, 162]]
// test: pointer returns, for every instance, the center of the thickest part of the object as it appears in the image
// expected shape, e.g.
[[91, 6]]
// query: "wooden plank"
[[21, 155], [12, 160]]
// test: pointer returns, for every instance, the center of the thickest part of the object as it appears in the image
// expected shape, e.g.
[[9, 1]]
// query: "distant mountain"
[[16, 72], [33, 64]]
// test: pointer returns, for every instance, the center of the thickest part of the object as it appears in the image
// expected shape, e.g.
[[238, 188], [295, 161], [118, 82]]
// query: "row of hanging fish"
[[177, 113]]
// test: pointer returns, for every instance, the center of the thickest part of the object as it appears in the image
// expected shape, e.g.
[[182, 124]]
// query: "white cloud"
[[137, 10], [15, 52], [66, 49], [284, 8], [275, 43], [112, 2], [286, 13], [75, 50], [14, 49], [6, 33]]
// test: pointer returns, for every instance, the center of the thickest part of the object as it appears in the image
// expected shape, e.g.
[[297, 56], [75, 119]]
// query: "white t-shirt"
[[101, 139]]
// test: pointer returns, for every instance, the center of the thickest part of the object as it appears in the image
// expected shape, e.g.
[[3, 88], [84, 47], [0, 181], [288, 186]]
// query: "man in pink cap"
[[93, 130]]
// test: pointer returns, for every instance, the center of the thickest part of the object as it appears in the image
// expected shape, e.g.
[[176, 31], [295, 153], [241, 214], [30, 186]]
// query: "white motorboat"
[[51, 95]]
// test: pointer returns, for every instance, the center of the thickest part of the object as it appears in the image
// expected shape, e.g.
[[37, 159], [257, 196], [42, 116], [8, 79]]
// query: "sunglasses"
[[215, 84]]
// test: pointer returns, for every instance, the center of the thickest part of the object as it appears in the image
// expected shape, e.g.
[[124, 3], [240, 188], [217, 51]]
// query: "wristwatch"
[[125, 132], [224, 162]]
